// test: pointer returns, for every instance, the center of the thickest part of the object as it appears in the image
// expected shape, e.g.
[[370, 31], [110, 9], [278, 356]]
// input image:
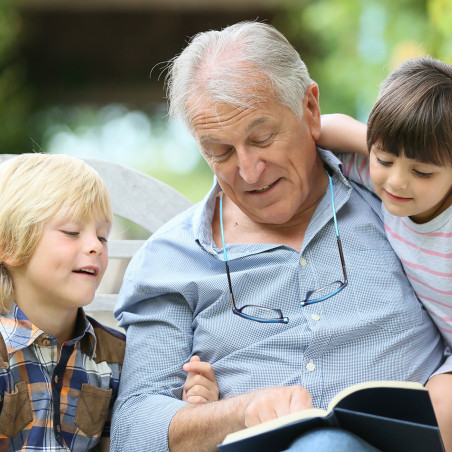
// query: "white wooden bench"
[[140, 199]]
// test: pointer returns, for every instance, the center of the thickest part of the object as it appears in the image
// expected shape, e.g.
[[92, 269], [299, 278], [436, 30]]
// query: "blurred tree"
[[354, 44], [14, 97]]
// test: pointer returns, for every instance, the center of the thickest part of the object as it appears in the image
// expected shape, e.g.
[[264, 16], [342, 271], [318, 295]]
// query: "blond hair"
[[34, 188]]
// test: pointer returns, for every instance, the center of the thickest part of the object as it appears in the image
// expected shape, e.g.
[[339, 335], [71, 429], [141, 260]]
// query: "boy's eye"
[[102, 239], [383, 162], [71, 233], [422, 174]]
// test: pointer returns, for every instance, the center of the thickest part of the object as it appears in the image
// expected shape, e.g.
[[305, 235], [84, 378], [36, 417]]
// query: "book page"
[[317, 412], [373, 384], [273, 424]]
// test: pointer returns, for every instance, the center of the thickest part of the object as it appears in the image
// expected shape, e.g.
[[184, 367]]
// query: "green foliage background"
[[15, 100], [349, 46]]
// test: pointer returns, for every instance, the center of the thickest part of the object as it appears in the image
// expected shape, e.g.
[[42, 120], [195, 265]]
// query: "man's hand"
[[201, 385], [187, 430], [275, 402]]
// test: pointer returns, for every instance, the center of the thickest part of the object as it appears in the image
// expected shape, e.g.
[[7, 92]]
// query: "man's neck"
[[239, 228]]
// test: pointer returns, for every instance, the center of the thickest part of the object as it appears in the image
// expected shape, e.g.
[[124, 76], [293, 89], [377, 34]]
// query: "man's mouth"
[[260, 190], [264, 189]]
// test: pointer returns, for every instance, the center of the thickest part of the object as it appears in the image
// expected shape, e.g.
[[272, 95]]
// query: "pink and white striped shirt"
[[425, 251]]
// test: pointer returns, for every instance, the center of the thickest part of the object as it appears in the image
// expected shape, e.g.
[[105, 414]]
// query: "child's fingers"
[[193, 359], [200, 367], [199, 380], [195, 399], [201, 394]]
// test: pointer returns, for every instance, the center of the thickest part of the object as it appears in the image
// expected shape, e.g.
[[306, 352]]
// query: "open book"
[[390, 415]]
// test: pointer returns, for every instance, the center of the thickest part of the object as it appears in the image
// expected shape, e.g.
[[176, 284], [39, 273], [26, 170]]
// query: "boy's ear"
[[9, 261]]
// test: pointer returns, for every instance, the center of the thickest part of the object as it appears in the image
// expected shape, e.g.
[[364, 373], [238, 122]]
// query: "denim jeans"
[[329, 439]]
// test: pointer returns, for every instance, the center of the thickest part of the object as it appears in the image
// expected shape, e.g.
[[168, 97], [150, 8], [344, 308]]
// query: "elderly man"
[[309, 316]]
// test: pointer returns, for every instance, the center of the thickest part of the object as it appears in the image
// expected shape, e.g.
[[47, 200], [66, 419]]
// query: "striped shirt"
[[425, 251], [56, 403], [175, 302]]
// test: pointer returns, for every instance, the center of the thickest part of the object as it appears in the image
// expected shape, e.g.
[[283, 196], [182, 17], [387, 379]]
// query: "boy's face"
[[409, 188], [67, 266]]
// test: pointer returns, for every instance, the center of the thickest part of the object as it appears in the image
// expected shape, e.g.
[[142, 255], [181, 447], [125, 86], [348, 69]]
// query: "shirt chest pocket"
[[16, 412], [92, 409]]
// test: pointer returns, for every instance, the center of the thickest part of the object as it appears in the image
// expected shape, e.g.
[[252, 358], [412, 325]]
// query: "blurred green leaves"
[[354, 44], [350, 46], [14, 97]]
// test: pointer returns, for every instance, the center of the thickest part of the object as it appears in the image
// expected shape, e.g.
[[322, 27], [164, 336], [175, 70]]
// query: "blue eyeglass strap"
[[221, 216], [221, 226], [334, 206]]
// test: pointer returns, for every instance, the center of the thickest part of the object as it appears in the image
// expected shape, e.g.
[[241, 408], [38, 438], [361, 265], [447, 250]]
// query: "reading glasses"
[[270, 315]]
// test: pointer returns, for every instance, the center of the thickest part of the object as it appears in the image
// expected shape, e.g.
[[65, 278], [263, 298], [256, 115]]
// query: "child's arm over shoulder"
[[341, 133], [201, 385], [440, 391]]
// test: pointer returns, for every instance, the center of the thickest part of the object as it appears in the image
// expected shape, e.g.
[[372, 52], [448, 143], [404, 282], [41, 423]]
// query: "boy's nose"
[[397, 179], [95, 246]]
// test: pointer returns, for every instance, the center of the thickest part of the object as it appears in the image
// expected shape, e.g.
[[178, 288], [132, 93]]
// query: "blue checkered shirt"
[[175, 303], [56, 403]]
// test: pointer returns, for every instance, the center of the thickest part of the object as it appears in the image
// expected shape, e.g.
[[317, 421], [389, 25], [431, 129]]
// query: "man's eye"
[[421, 174], [265, 141], [219, 155]]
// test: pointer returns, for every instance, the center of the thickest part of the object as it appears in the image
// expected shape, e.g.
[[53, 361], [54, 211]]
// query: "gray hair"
[[244, 65]]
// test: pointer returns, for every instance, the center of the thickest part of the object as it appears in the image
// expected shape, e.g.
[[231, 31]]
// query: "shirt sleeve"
[[356, 168], [445, 367], [159, 341]]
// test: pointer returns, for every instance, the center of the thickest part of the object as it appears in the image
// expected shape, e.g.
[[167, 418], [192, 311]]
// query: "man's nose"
[[250, 165]]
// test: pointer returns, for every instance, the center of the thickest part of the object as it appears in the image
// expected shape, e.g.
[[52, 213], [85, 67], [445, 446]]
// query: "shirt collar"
[[202, 219], [19, 332]]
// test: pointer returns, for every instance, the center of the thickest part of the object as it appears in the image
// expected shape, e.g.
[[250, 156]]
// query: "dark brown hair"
[[413, 113]]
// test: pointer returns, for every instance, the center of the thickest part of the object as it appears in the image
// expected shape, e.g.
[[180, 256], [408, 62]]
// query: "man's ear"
[[311, 110]]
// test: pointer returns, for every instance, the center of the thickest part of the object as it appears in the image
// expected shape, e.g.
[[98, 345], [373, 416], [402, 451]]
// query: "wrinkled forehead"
[[211, 116]]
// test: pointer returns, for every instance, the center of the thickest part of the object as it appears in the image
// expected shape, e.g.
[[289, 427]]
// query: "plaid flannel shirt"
[[56, 403]]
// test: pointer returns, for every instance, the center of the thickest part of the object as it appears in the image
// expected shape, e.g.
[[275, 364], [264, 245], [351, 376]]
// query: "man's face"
[[265, 159]]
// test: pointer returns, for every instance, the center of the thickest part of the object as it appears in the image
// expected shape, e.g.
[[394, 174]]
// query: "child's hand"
[[201, 385]]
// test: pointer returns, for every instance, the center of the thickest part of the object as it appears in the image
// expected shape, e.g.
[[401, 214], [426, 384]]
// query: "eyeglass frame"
[[280, 317]]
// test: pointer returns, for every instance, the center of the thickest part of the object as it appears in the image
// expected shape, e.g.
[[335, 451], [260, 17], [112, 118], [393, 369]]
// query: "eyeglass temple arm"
[[230, 285], [341, 255]]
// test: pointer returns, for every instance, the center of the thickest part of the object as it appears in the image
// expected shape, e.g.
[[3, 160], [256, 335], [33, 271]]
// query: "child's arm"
[[342, 133], [440, 390], [201, 385]]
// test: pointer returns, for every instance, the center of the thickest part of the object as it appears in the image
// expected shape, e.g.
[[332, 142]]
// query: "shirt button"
[[315, 317], [310, 366], [56, 378], [46, 342], [58, 429], [303, 262]]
